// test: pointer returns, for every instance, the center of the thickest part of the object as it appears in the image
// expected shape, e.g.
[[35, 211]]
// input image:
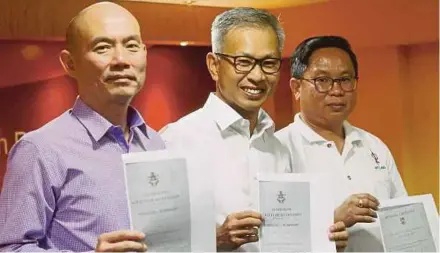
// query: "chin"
[[122, 98], [251, 106]]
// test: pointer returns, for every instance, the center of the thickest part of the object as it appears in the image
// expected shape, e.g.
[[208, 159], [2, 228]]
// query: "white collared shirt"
[[365, 166], [222, 140]]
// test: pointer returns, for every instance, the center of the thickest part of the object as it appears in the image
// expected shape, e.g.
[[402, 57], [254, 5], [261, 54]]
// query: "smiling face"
[[108, 58], [335, 105], [245, 91]]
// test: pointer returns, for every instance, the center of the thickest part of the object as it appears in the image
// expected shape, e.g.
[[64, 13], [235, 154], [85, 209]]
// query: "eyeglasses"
[[324, 84], [246, 64]]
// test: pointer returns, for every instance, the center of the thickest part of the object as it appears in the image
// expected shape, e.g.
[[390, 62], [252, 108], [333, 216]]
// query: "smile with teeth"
[[253, 91]]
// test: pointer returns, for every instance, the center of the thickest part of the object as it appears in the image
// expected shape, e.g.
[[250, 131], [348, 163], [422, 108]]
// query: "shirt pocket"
[[378, 178]]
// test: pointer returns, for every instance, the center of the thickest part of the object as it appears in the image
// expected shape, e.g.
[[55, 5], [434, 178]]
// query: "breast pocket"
[[377, 177], [382, 187]]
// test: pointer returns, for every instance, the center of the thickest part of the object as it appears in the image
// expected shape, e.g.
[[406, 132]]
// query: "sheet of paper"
[[298, 211], [286, 213], [409, 224], [168, 201], [159, 203]]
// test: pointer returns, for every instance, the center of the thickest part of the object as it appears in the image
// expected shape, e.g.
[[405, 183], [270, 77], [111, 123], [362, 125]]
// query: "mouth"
[[253, 92], [337, 106], [120, 78]]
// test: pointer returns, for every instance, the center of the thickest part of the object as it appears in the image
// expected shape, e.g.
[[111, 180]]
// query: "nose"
[[257, 74], [336, 90], [119, 57]]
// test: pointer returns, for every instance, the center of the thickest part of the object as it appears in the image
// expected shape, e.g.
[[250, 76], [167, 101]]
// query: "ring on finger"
[[360, 203]]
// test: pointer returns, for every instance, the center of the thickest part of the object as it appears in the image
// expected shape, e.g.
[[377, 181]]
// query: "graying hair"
[[243, 17]]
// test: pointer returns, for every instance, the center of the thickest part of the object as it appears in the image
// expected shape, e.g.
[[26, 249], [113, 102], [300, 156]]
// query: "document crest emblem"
[[281, 197], [153, 179], [402, 220]]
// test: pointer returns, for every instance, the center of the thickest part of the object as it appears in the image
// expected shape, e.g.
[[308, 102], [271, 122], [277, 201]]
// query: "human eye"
[[271, 63], [244, 61], [322, 79], [346, 79], [133, 46], [101, 48]]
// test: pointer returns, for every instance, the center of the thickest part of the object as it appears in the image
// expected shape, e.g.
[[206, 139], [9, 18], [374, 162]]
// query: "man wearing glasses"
[[231, 135], [324, 78]]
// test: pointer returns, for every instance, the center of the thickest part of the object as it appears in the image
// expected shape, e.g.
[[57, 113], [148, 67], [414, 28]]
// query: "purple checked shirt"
[[64, 183]]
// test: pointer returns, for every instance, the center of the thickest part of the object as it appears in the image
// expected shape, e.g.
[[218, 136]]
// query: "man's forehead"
[[324, 62], [112, 27], [256, 41]]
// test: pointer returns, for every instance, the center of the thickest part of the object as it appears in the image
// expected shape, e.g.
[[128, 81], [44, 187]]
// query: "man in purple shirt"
[[64, 185]]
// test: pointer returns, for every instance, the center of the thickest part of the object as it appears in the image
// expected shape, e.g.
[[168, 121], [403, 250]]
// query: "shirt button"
[[329, 145], [349, 177]]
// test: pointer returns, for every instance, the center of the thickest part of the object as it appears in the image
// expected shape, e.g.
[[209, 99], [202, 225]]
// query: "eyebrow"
[[111, 41], [132, 37], [327, 73], [270, 55]]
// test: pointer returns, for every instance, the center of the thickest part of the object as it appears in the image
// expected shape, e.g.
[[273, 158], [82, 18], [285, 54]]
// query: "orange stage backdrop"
[[398, 97]]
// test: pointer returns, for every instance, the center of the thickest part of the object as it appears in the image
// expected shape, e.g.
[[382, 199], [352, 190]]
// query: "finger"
[[341, 245], [253, 238], [337, 227], [248, 214], [238, 241], [243, 232], [370, 204], [369, 197], [248, 222], [365, 212], [364, 219], [338, 236], [126, 246], [122, 235]]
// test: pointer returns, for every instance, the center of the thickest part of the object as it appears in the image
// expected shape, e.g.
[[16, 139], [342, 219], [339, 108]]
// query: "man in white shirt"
[[324, 78], [231, 135]]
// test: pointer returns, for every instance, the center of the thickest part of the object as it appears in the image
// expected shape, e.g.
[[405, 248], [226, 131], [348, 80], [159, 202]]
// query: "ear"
[[212, 64], [295, 87], [144, 47], [67, 63]]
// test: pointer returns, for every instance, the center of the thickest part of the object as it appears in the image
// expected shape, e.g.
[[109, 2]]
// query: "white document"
[[163, 204], [409, 224], [298, 211]]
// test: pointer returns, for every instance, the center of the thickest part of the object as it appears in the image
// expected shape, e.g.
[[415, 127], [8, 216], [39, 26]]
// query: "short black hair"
[[300, 57]]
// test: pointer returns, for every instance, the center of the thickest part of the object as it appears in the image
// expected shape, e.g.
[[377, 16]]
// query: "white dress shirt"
[[365, 166], [221, 139]]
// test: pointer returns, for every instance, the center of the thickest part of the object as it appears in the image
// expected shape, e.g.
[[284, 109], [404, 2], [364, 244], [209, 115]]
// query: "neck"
[[331, 131], [252, 116], [115, 113]]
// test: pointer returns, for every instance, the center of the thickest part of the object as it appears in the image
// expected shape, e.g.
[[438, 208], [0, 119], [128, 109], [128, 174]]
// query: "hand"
[[357, 208], [338, 233], [121, 241], [238, 229]]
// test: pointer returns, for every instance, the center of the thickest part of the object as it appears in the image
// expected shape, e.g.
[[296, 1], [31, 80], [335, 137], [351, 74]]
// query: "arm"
[[27, 200]]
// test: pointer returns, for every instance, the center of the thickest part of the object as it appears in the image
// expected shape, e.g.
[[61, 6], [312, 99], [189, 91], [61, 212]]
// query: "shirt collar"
[[98, 126], [351, 135], [225, 116]]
